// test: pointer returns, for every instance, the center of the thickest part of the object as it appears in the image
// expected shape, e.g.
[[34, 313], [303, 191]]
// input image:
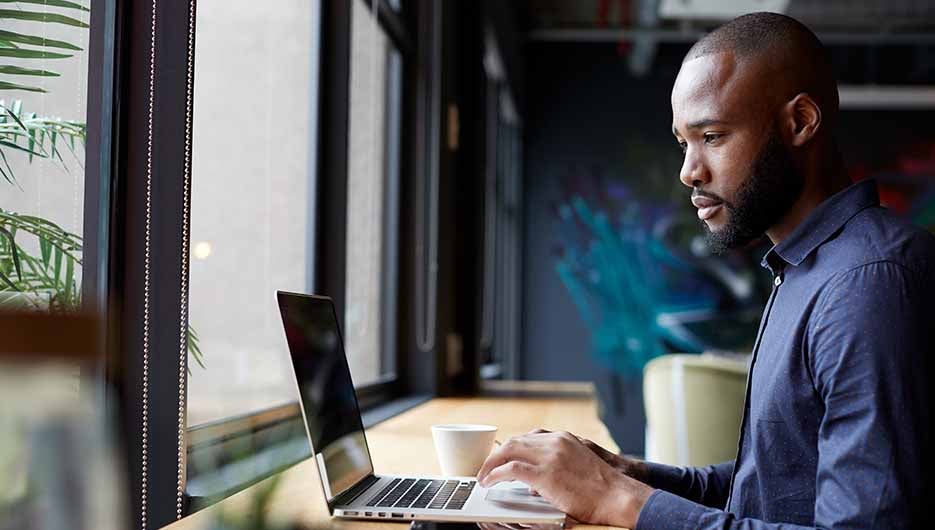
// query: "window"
[[252, 233], [253, 202], [501, 306], [508, 203], [42, 134], [223, 192], [373, 199], [254, 196]]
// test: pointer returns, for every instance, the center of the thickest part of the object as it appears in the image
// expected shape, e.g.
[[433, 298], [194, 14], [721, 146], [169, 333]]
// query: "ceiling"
[[872, 42], [877, 16]]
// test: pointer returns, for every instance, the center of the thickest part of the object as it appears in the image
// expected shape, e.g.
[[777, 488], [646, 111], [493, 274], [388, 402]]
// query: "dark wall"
[[586, 115]]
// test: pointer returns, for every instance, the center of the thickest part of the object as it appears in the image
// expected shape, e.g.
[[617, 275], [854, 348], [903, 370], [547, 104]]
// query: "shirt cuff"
[[665, 510], [663, 477]]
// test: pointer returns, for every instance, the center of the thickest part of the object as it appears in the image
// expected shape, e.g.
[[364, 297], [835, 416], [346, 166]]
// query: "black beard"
[[768, 193]]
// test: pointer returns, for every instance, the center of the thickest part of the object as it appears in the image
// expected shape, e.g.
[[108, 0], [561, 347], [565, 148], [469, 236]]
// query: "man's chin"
[[720, 238], [715, 246]]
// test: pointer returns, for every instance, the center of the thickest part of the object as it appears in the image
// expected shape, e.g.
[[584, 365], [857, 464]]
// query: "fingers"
[[533, 448], [513, 449], [513, 470]]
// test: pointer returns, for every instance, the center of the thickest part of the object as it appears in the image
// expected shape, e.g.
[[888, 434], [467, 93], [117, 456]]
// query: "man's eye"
[[710, 138], [683, 146]]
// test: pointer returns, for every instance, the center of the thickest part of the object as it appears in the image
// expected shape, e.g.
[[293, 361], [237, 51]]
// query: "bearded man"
[[837, 426]]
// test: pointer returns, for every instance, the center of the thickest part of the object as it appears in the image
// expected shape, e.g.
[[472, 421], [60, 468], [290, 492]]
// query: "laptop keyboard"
[[423, 493]]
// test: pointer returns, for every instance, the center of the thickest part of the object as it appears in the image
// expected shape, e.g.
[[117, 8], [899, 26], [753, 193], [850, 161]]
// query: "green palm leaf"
[[12, 145], [53, 3], [4, 85], [194, 350], [12, 38], [18, 70], [39, 280], [8, 173], [9, 40], [24, 53], [42, 17], [36, 136]]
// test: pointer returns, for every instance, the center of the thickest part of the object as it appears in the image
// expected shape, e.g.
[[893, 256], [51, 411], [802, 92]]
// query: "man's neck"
[[820, 184]]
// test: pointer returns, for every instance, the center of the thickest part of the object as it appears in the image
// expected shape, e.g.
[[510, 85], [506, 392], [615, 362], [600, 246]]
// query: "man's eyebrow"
[[700, 124]]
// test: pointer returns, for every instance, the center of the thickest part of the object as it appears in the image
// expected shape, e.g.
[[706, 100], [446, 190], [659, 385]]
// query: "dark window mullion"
[[389, 260], [152, 91], [333, 115]]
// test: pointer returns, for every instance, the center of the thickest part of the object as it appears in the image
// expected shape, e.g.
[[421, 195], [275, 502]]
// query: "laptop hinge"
[[356, 490]]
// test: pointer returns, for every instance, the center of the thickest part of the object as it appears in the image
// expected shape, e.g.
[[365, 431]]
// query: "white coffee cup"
[[462, 447]]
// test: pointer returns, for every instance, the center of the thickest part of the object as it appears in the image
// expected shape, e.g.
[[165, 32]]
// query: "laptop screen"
[[327, 393]]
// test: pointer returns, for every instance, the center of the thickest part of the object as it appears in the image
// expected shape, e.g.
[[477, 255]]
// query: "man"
[[837, 428]]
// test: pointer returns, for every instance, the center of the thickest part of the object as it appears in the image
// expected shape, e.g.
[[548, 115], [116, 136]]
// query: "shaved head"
[[786, 48]]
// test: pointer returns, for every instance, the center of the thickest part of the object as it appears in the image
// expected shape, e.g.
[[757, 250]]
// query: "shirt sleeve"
[[869, 347], [870, 344], [705, 485]]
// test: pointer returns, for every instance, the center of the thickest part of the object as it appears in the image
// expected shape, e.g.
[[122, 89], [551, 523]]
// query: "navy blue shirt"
[[837, 427]]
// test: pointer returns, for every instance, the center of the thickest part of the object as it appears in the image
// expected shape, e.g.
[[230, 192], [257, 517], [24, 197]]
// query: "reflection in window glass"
[[506, 338], [42, 156], [252, 198], [502, 239], [372, 188]]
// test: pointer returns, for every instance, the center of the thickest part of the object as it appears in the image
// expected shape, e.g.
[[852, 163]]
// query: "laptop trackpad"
[[516, 493]]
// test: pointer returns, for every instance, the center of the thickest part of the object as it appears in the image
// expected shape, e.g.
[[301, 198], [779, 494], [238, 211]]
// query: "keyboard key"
[[373, 500], [397, 492], [443, 495], [426, 497], [411, 495], [460, 496]]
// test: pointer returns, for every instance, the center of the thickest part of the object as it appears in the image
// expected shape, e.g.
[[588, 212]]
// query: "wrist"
[[624, 505], [636, 469]]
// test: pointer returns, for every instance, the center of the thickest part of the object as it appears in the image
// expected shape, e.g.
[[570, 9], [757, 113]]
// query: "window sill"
[[391, 408], [239, 472]]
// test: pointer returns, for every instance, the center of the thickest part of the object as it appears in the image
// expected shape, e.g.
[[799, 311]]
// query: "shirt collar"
[[823, 222]]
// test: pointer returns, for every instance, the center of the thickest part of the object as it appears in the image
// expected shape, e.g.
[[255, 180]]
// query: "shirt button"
[[777, 281]]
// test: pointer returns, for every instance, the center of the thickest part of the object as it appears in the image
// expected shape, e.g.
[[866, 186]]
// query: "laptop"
[[339, 445]]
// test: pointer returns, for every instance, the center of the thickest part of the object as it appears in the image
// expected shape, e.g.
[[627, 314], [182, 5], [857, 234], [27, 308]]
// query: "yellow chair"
[[693, 407]]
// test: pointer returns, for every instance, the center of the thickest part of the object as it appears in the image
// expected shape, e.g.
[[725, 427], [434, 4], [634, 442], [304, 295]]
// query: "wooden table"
[[403, 444]]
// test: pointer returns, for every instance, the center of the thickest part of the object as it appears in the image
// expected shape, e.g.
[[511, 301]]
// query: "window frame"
[[141, 72], [138, 155]]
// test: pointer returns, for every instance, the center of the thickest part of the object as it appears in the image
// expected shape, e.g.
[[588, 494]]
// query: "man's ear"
[[803, 119]]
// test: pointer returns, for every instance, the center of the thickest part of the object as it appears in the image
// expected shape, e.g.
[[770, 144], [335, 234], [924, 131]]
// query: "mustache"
[[697, 192]]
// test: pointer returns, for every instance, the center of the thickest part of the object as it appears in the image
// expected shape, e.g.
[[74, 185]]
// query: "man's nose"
[[693, 172]]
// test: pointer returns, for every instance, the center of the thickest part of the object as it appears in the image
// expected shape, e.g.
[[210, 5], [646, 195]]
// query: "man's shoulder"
[[877, 235]]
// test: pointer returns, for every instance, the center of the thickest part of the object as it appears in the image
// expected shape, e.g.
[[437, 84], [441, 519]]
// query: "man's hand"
[[628, 466], [569, 474]]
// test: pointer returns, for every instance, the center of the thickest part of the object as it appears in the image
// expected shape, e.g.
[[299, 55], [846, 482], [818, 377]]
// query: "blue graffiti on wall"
[[643, 285]]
